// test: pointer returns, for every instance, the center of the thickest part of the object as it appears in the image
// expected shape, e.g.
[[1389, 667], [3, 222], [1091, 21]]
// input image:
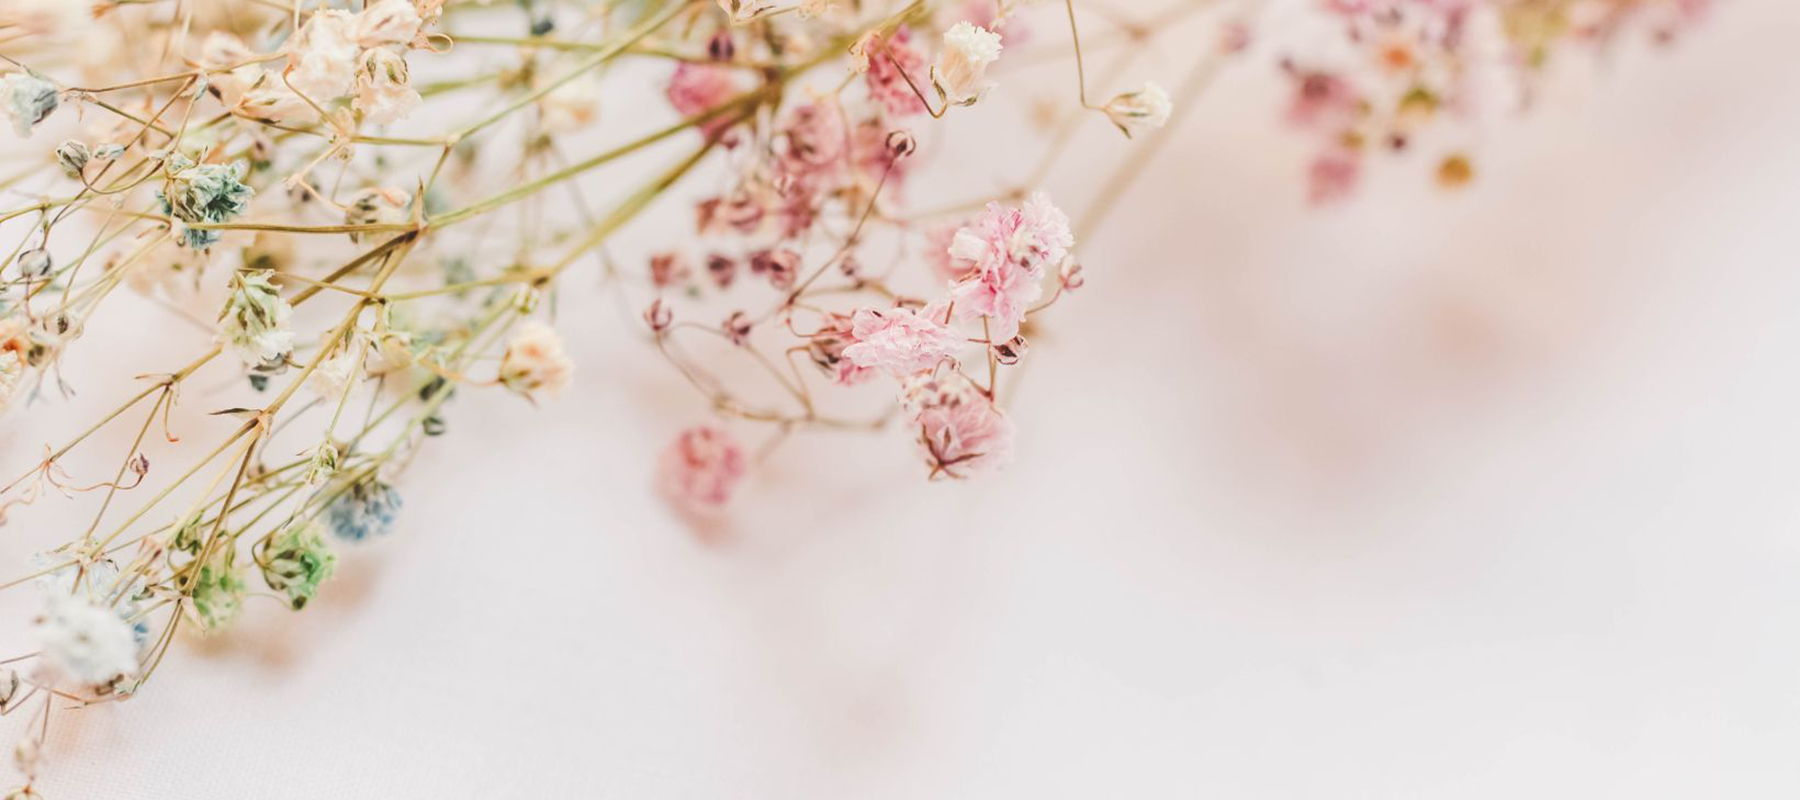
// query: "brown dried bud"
[[720, 47], [1009, 353], [901, 144], [737, 328]]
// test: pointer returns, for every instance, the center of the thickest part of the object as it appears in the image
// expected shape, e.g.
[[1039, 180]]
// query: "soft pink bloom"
[[960, 430], [698, 88], [1322, 100], [701, 468], [1333, 175], [887, 83], [815, 138], [1007, 251], [826, 347], [900, 341], [937, 254]]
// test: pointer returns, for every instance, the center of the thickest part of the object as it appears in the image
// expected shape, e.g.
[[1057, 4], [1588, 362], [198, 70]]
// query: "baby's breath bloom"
[[367, 508], [376, 205], [900, 341], [84, 643], [701, 468], [1144, 109], [205, 193], [29, 99], [569, 107], [254, 324], [218, 591], [1007, 251], [387, 22], [384, 92], [332, 377], [322, 56], [888, 63], [535, 360], [296, 561], [961, 70], [959, 429]]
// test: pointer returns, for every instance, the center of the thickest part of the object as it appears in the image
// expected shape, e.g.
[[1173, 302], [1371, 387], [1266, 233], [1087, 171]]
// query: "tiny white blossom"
[[535, 360], [322, 56]]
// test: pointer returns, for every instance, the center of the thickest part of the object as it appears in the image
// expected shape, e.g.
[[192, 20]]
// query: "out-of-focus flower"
[[698, 88], [296, 561], [1145, 109], [888, 63], [534, 360], [569, 107], [900, 341], [29, 99], [322, 61], [83, 642], [701, 468], [1333, 175], [365, 509], [218, 591], [254, 324], [205, 193], [961, 70], [960, 431], [376, 205]]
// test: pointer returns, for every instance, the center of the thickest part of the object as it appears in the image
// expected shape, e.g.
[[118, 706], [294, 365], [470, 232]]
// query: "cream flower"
[[961, 70], [535, 361], [387, 22], [322, 57], [84, 643], [1145, 109], [384, 90]]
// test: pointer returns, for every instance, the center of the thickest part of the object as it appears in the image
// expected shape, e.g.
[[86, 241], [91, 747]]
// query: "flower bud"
[[1008, 353], [737, 328], [658, 316], [1145, 109], [34, 263], [9, 686], [72, 156]]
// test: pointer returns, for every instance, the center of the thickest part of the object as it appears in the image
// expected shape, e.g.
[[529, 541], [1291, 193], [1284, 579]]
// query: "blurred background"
[[1473, 494]]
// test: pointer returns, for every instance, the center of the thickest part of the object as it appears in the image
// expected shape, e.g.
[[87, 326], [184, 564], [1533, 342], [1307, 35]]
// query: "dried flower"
[[695, 89], [1144, 109], [384, 92], [322, 61], [888, 63], [1008, 250], [218, 591], [254, 324], [362, 510], [296, 561], [84, 643], [387, 22], [535, 361], [29, 99], [383, 205], [961, 70], [960, 430], [205, 193], [73, 157], [701, 468], [900, 341]]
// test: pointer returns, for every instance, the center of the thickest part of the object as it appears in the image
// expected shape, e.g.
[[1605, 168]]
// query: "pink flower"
[[1333, 175], [937, 254], [887, 83], [698, 88], [815, 138], [960, 430], [1322, 100], [701, 468], [900, 341], [1007, 251], [826, 347]]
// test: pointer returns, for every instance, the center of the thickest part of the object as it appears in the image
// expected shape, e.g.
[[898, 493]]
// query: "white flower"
[[384, 90], [387, 22], [84, 642], [255, 321], [272, 100], [28, 100], [332, 377], [535, 360], [961, 70], [1144, 109], [322, 56], [570, 107]]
